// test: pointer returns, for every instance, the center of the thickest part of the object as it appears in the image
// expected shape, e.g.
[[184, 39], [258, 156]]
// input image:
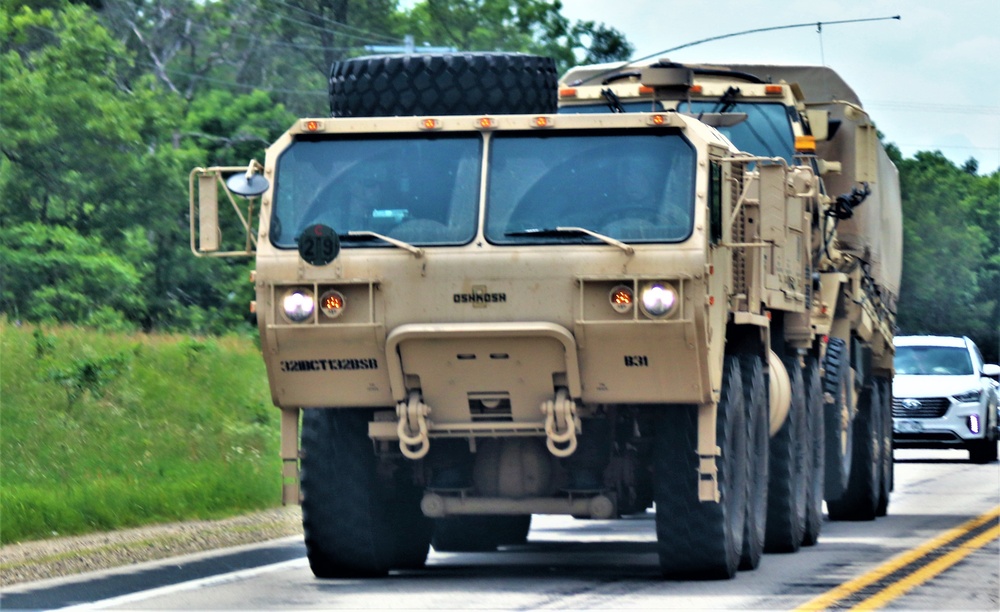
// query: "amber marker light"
[[772, 90], [805, 144], [542, 122], [332, 303], [430, 124], [695, 89], [314, 126], [646, 89], [621, 299], [567, 92], [486, 123], [658, 119]]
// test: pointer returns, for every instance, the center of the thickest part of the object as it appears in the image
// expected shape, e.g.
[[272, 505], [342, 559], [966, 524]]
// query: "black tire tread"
[[755, 398], [860, 500], [815, 480], [355, 524], [443, 84], [836, 368], [700, 540], [786, 503]]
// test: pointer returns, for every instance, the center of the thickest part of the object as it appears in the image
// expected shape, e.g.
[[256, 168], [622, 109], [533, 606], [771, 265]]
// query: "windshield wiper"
[[360, 236], [572, 231]]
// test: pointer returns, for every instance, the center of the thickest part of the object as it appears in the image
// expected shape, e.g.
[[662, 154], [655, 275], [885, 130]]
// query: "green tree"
[[950, 266], [532, 26]]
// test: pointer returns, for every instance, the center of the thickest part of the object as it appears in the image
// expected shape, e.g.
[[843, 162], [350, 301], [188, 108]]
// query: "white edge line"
[[190, 585]]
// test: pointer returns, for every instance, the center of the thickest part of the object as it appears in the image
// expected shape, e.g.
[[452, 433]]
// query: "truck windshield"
[[767, 131], [421, 190], [632, 187]]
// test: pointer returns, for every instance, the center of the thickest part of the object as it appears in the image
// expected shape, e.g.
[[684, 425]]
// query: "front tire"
[[360, 517], [695, 539], [757, 409]]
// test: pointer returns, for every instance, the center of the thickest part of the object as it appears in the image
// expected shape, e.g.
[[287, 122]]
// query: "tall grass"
[[101, 431]]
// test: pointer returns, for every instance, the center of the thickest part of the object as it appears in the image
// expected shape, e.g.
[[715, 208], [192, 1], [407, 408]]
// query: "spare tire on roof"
[[443, 84]]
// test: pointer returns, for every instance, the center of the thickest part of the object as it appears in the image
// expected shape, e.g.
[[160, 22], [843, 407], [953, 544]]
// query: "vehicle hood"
[[932, 385]]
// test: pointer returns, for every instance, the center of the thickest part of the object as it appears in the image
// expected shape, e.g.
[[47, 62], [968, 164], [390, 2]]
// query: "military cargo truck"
[[478, 308]]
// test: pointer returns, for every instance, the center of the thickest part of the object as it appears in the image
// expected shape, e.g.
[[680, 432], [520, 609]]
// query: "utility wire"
[[817, 24]]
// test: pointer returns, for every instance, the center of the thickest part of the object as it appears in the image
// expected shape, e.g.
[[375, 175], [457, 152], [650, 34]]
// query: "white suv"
[[942, 396]]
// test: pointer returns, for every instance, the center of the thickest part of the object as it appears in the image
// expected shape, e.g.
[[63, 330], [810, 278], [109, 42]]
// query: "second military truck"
[[481, 308]]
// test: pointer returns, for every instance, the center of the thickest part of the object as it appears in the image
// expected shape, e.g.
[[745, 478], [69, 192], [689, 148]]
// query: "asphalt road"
[[585, 565]]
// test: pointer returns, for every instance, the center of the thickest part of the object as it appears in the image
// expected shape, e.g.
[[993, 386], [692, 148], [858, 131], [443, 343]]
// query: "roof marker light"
[[541, 122], [695, 89], [486, 123], [772, 90], [646, 89], [430, 124], [567, 92]]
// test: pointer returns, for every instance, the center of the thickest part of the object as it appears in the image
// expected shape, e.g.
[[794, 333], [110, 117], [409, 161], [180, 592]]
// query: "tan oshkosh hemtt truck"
[[483, 308]]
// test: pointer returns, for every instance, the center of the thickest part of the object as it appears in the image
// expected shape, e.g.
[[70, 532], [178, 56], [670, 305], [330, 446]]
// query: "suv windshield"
[[421, 190], [933, 360], [633, 187]]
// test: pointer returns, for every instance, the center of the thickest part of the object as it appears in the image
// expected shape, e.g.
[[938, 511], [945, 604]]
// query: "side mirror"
[[991, 369], [209, 235], [819, 123], [248, 185]]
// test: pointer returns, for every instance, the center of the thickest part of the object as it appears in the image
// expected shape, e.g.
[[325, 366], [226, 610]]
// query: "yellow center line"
[[828, 599], [927, 572]]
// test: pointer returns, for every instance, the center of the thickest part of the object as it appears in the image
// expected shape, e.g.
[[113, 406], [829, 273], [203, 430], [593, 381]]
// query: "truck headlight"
[[658, 299], [298, 305]]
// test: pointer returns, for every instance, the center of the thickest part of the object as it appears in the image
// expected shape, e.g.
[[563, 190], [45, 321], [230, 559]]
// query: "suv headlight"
[[659, 299], [298, 305], [969, 396]]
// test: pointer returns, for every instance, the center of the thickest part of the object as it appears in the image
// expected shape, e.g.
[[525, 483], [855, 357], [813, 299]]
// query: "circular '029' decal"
[[318, 245]]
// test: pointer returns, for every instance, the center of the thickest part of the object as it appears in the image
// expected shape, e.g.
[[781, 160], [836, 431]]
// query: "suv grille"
[[928, 408]]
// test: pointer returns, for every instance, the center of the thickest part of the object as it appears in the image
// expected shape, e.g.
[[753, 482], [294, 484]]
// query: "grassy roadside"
[[100, 431]]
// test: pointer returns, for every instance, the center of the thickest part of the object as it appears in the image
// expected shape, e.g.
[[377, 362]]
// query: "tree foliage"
[[951, 269]]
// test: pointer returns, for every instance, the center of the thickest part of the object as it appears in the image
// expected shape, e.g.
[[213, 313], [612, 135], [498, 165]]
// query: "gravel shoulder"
[[56, 557]]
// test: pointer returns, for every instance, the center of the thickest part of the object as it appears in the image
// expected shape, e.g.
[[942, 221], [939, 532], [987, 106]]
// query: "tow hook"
[[412, 428], [561, 424]]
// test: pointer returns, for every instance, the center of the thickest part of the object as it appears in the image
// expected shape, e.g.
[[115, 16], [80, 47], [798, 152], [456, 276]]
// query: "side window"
[[715, 202]]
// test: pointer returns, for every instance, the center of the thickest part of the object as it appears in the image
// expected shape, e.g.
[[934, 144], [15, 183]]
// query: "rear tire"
[[860, 501], [757, 411], [983, 451], [358, 519], [888, 461], [786, 503], [443, 84], [695, 539], [838, 394], [816, 453]]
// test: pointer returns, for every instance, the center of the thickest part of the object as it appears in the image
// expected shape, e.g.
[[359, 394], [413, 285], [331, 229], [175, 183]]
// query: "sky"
[[930, 81]]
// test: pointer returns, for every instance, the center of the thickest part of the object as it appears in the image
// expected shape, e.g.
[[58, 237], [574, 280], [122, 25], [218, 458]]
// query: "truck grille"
[[923, 408]]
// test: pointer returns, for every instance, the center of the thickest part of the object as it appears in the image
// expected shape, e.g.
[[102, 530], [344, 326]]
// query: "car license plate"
[[907, 426]]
